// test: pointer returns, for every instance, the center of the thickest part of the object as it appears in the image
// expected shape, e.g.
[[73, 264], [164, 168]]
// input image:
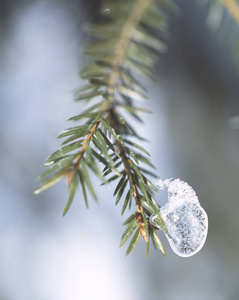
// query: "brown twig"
[[83, 148], [127, 166]]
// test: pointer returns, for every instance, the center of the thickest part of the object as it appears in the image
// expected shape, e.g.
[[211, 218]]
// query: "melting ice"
[[186, 220]]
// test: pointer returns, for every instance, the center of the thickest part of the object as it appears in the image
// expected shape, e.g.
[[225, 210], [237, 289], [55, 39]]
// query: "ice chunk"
[[186, 220]]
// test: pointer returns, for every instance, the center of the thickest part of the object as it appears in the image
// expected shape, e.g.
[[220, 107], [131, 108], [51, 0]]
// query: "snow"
[[186, 220]]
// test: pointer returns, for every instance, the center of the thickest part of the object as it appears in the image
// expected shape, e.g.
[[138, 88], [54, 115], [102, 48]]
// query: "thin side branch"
[[83, 149], [127, 166]]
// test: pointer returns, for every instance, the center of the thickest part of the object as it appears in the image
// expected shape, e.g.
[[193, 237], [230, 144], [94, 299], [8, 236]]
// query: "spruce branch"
[[232, 7], [123, 50], [223, 16], [124, 40], [218, 9]]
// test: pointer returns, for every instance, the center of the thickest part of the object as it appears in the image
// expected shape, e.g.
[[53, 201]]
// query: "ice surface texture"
[[186, 220]]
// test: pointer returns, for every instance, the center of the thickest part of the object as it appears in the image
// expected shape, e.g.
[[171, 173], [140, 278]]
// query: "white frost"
[[186, 220]]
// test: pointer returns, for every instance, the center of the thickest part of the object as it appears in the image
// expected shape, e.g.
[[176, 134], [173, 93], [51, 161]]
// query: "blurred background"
[[47, 257]]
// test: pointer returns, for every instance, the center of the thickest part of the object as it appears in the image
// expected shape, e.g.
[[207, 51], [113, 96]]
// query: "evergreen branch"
[[120, 49], [232, 7], [223, 17], [124, 47]]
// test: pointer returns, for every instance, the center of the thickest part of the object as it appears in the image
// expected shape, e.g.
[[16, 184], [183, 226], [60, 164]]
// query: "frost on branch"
[[186, 220]]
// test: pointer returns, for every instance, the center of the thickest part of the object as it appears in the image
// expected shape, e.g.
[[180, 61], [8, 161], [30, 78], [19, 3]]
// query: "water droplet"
[[186, 220], [105, 11]]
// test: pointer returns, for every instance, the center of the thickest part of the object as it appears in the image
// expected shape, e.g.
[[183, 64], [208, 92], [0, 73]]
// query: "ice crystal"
[[185, 219]]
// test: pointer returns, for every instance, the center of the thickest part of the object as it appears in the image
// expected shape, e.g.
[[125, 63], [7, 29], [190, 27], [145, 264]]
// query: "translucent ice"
[[186, 220]]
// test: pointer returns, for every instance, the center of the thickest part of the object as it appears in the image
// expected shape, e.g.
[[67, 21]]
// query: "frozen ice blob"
[[186, 220]]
